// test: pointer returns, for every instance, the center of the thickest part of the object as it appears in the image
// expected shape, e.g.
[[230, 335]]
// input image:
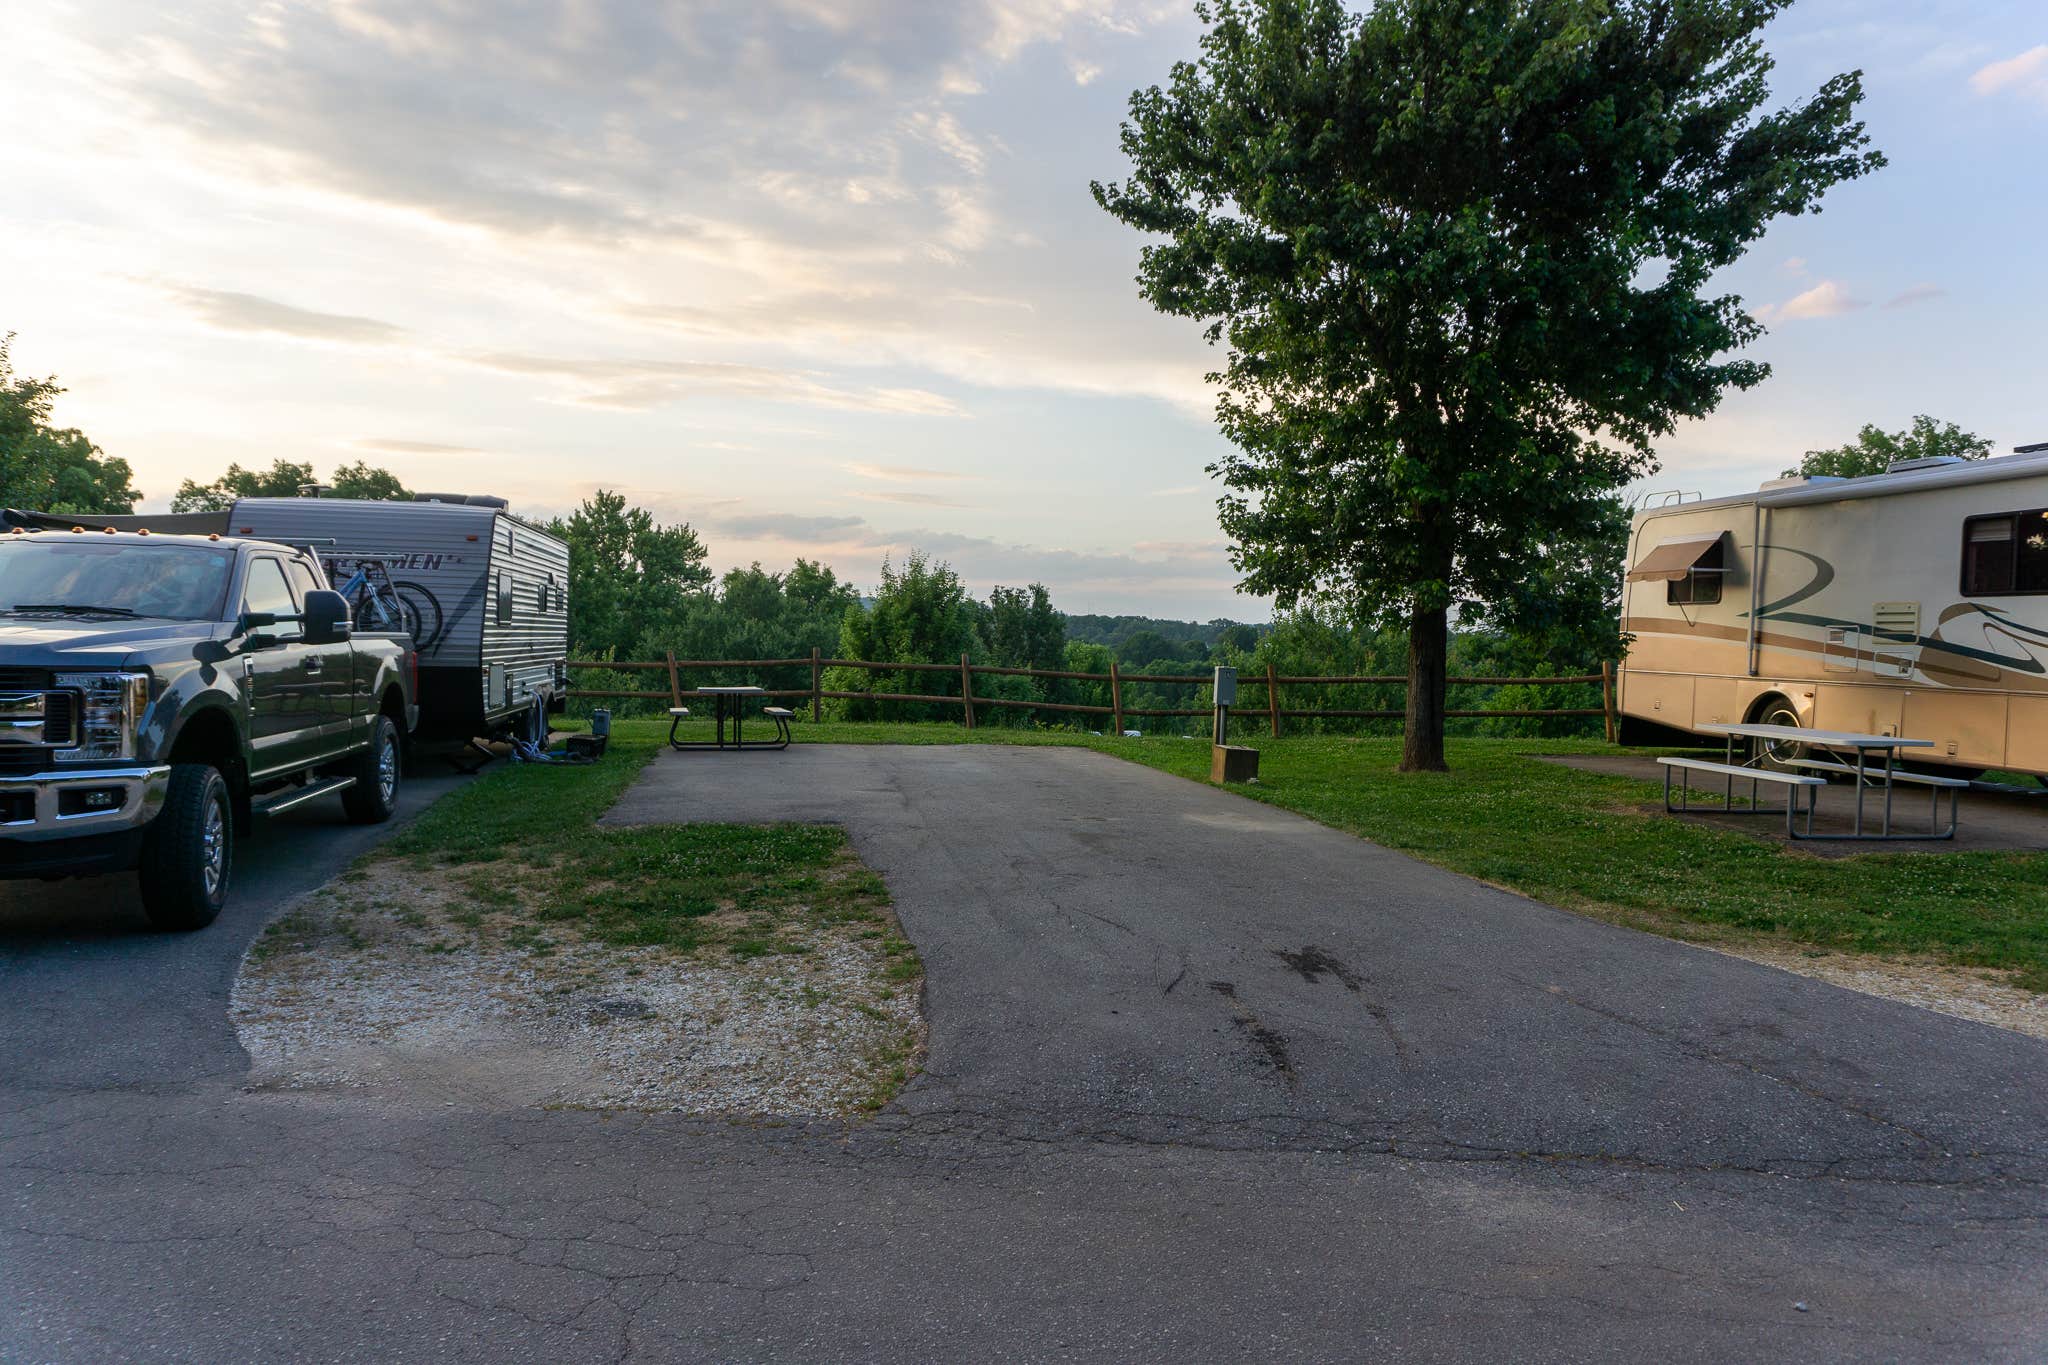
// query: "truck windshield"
[[122, 578]]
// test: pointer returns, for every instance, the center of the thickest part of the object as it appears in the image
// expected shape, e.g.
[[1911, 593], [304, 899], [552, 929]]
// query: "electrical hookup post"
[[1229, 762]]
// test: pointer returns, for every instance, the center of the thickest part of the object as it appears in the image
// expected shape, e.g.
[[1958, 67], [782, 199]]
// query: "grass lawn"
[[1584, 841], [724, 887]]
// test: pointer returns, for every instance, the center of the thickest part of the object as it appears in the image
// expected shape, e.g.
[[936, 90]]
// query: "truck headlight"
[[109, 714]]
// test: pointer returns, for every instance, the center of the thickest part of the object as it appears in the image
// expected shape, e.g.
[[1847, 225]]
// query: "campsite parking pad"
[[1206, 1079]]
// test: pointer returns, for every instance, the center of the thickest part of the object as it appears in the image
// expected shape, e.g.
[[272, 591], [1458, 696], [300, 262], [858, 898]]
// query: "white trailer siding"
[[1861, 620], [524, 639]]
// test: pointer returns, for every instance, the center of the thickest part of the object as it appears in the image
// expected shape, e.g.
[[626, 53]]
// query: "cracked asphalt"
[[1206, 1081]]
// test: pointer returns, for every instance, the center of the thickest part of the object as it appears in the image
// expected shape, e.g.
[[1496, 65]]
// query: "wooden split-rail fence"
[[817, 694]]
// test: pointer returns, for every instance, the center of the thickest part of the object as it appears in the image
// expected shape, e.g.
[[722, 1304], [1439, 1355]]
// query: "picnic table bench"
[[1867, 778], [729, 702]]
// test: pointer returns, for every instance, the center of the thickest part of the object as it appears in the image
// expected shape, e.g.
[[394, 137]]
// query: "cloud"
[[632, 385], [915, 499], [233, 312], [899, 473], [788, 526], [2025, 74], [391, 445], [1919, 293], [1793, 265], [1828, 299]]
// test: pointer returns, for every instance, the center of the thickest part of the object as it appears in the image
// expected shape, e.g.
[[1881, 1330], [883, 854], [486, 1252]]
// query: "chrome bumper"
[[141, 792]]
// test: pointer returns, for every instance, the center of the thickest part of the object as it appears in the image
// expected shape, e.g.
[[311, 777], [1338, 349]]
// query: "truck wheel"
[[188, 855], [374, 797]]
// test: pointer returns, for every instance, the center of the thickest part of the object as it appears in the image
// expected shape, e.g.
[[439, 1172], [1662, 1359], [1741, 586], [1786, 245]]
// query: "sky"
[[824, 278]]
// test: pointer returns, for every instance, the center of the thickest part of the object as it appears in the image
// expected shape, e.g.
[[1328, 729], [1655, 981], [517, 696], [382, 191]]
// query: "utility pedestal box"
[[1233, 763]]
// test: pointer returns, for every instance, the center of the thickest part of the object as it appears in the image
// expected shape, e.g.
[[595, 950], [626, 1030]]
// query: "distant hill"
[[1115, 630]]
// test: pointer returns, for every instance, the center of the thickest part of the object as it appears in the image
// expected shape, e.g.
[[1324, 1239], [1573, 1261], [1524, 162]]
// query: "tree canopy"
[[627, 573], [1874, 449], [1459, 252], [52, 469], [284, 479]]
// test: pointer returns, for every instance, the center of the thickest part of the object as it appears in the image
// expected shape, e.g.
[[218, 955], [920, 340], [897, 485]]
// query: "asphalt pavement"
[[1206, 1081]]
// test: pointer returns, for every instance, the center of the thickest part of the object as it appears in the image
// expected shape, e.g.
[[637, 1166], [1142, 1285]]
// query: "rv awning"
[[1671, 560]]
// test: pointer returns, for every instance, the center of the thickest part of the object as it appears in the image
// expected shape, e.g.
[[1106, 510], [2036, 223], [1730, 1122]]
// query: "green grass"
[[1598, 844], [523, 841]]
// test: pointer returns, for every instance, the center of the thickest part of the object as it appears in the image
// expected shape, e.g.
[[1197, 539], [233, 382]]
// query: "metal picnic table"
[[1866, 776], [729, 701]]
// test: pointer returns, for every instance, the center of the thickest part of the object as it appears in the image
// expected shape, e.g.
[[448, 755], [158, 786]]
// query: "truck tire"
[[188, 854], [374, 797]]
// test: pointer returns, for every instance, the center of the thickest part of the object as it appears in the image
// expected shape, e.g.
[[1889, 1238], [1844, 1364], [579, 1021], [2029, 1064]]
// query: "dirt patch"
[[400, 980]]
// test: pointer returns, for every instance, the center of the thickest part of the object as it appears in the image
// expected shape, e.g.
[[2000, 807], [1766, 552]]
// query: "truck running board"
[[277, 803]]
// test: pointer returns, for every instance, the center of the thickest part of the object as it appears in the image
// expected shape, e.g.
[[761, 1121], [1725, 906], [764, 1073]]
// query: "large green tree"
[[627, 573], [51, 469], [921, 613], [1459, 252], [1875, 449]]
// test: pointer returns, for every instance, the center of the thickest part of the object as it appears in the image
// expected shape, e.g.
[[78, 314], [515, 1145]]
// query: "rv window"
[[2005, 554], [1701, 586], [504, 599]]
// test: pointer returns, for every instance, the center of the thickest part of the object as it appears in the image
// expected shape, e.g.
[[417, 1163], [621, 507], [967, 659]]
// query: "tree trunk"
[[1422, 739]]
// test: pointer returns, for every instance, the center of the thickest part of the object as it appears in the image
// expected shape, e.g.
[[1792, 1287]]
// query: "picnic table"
[[1810, 776], [730, 702]]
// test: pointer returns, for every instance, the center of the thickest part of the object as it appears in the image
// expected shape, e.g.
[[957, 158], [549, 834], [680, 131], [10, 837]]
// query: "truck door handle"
[[313, 664]]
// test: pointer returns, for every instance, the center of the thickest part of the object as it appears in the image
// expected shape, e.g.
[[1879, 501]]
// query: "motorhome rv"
[[1913, 602]]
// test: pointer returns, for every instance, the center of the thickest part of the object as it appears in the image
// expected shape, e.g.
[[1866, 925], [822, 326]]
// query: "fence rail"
[[818, 694]]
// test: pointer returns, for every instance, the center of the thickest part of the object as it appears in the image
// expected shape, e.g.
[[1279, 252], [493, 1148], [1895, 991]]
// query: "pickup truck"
[[157, 692]]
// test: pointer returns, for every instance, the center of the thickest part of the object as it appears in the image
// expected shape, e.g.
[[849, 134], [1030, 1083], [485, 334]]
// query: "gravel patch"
[[1966, 994], [393, 981]]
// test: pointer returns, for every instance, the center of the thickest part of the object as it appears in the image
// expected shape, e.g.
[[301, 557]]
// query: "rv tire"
[[1774, 710]]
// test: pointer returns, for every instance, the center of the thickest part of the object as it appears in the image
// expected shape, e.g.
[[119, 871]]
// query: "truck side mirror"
[[325, 617]]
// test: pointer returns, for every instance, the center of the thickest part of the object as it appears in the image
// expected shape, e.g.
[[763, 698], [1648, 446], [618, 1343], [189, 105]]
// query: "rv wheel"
[[1776, 754]]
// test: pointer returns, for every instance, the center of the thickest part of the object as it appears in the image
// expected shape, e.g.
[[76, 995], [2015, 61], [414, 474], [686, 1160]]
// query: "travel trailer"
[[484, 595], [1913, 603]]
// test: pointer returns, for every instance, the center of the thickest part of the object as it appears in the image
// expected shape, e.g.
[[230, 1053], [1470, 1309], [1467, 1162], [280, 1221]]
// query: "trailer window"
[[2005, 554], [504, 599]]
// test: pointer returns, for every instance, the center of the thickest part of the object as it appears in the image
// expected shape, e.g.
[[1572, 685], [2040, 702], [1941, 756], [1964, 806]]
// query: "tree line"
[[642, 590]]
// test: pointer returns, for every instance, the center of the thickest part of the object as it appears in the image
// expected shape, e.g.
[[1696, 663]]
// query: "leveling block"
[[1233, 763]]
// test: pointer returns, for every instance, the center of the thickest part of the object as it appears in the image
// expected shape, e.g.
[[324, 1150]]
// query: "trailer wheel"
[[374, 797], [188, 855]]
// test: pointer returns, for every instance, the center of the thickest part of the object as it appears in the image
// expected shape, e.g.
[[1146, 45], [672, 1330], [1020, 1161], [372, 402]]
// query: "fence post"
[[817, 688], [675, 687], [1607, 696], [1272, 699], [1116, 697], [967, 691]]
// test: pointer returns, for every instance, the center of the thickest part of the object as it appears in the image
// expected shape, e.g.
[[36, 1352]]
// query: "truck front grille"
[[23, 679], [60, 719]]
